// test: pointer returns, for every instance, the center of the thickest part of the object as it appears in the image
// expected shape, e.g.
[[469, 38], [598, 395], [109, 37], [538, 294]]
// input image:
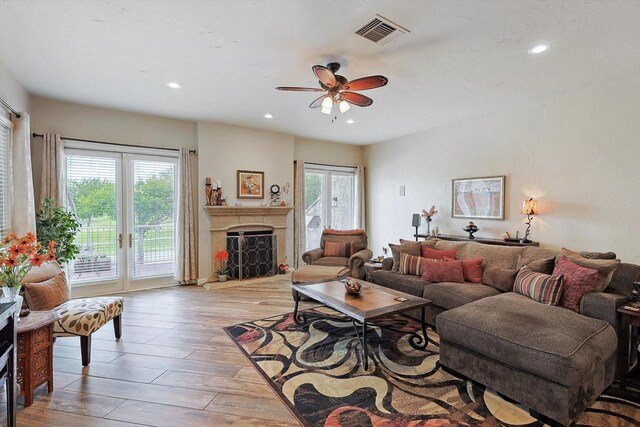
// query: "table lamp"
[[529, 208]]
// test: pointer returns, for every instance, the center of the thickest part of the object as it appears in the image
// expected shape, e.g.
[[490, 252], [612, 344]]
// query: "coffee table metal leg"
[[363, 341], [299, 318], [420, 342]]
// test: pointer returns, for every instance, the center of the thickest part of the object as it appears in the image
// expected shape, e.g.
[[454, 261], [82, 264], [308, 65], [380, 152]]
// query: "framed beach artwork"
[[250, 185], [478, 198]]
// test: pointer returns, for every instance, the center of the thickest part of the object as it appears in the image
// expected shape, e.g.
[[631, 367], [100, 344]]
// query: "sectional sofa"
[[552, 359]]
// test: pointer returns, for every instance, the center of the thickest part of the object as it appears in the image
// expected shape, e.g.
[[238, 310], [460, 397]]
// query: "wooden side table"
[[370, 267], [35, 352], [627, 345]]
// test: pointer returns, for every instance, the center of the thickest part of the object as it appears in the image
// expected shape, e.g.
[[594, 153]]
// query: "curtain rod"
[[8, 107], [325, 164], [40, 135]]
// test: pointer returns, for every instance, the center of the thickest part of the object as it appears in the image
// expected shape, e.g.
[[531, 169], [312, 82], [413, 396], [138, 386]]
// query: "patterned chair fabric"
[[84, 316]]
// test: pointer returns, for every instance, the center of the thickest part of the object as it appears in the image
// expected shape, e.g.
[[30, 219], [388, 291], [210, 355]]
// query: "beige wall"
[[12, 91], [576, 154], [311, 150], [223, 149]]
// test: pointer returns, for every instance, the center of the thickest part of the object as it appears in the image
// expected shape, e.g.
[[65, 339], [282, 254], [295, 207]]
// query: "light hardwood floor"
[[174, 365]]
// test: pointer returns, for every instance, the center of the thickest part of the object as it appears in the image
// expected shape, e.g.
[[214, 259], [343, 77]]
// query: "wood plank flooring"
[[173, 366]]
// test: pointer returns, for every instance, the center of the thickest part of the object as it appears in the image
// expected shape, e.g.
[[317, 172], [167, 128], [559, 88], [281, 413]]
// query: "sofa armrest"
[[312, 256], [359, 258], [387, 264], [603, 306]]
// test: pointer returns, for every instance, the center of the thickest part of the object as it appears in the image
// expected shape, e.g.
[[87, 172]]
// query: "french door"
[[330, 195], [126, 204]]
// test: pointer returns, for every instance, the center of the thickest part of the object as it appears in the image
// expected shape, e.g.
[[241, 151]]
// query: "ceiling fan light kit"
[[340, 93]]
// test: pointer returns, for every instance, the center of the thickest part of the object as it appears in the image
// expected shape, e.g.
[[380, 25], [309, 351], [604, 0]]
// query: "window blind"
[[5, 191]]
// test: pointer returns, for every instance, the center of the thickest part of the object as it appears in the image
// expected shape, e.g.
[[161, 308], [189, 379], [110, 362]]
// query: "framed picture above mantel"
[[478, 198], [250, 185]]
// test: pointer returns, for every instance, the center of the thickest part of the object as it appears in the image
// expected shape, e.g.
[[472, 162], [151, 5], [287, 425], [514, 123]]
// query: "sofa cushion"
[[499, 278], [450, 295], [430, 253], [84, 316], [543, 288], [436, 270], [605, 267], [410, 264], [540, 265], [547, 341], [577, 282], [413, 285], [500, 256], [411, 248], [47, 295], [623, 278], [336, 261]]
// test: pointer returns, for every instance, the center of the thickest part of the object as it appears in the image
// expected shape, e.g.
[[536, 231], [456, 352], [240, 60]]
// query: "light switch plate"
[[402, 191]]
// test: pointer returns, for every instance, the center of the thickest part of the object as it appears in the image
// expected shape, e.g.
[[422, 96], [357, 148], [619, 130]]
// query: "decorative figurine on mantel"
[[218, 194], [285, 194], [428, 217], [208, 191], [471, 228], [275, 195]]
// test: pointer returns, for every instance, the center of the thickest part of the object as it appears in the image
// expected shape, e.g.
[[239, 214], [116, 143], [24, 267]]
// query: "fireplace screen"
[[251, 254]]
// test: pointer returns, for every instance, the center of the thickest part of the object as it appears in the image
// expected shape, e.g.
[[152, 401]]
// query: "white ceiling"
[[461, 59]]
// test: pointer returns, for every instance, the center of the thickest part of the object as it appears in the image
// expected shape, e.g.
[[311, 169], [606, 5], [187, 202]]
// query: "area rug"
[[317, 371]]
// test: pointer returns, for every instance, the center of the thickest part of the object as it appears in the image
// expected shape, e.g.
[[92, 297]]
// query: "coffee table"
[[372, 303]]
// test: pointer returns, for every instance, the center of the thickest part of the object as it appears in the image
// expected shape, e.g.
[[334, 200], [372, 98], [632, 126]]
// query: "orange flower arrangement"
[[19, 254], [222, 257]]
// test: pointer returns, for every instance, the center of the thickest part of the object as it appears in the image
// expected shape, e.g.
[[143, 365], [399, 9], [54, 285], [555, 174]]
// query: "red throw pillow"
[[338, 249], [471, 269], [430, 253], [435, 270], [578, 281]]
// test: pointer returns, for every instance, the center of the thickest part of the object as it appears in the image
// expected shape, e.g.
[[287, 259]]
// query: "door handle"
[[130, 240], [120, 240]]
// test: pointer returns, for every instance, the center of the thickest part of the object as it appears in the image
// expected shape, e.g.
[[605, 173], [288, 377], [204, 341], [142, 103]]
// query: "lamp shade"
[[529, 207]]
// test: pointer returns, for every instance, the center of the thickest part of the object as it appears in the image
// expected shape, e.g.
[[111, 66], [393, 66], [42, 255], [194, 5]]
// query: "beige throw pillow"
[[407, 247], [605, 267]]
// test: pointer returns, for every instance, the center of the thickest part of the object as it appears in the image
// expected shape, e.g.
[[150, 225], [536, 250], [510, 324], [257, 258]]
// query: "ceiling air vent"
[[381, 31]]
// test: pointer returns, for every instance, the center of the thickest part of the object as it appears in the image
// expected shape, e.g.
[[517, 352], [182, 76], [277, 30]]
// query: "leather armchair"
[[355, 262]]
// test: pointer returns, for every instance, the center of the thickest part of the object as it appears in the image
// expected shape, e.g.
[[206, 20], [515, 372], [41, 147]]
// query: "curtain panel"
[[360, 202], [23, 215], [52, 183], [187, 268], [299, 215]]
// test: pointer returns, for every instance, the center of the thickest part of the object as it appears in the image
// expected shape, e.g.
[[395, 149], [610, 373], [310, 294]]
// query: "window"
[[5, 191], [330, 194]]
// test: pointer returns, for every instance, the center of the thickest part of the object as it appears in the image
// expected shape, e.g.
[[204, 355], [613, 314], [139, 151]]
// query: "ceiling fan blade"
[[318, 102], [356, 99], [325, 75], [300, 89], [365, 83]]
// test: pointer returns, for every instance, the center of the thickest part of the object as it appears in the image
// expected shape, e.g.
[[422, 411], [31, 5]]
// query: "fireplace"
[[252, 254], [249, 221]]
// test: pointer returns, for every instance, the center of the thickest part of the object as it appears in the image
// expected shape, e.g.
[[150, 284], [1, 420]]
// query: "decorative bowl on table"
[[352, 286]]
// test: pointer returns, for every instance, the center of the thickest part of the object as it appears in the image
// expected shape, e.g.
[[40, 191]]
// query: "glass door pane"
[[92, 194], [315, 216], [342, 201], [152, 231]]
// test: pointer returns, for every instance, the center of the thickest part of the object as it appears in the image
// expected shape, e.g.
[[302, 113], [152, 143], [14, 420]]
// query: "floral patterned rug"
[[317, 371]]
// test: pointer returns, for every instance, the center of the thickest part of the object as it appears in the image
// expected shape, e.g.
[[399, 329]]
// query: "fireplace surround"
[[243, 219]]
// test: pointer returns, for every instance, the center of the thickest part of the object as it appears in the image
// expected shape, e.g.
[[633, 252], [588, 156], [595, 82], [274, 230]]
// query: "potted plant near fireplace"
[[222, 257]]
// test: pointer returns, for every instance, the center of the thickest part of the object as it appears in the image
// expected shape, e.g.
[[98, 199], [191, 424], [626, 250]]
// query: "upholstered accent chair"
[[78, 317], [341, 248]]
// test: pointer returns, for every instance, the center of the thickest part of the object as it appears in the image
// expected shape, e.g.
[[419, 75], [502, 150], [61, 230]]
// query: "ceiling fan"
[[339, 91]]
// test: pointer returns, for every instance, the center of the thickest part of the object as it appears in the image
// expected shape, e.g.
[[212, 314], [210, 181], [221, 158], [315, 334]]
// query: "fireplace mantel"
[[246, 218]]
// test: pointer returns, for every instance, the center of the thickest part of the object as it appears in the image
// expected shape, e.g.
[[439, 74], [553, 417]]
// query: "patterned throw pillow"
[[339, 249], [436, 270], [578, 281], [540, 287], [411, 248], [471, 269], [411, 265], [605, 267], [499, 278], [430, 253]]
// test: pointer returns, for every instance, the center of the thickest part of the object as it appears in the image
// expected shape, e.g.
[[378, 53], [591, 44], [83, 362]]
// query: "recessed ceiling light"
[[174, 85], [538, 49], [268, 116], [350, 121]]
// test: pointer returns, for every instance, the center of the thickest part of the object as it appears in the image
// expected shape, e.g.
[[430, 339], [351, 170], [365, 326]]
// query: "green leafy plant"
[[56, 224]]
